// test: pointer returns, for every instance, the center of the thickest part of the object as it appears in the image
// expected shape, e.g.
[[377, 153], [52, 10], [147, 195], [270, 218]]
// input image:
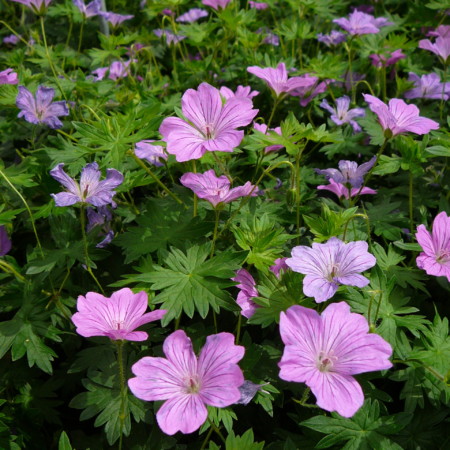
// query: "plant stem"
[[411, 216], [80, 37], [207, 438], [216, 227], [213, 426], [378, 307], [10, 269], [195, 203], [238, 328], [123, 391]]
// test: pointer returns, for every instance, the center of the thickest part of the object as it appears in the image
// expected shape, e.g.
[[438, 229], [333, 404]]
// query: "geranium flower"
[[247, 290], [342, 114], [5, 242], [258, 5], [387, 59], [91, 10], [398, 117], [328, 265], [212, 125], [192, 15], [359, 23], [441, 47], [115, 19], [152, 153], [37, 6], [216, 189], [309, 88], [349, 172], [441, 31], [278, 266], [428, 86], [116, 317], [332, 39], [262, 128], [40, 108], [216, 4], [90, 190], [11, 39], [8, 77], [186, 383], [435, 258], [171, 38], [241, 92], [341, 190], [325, 351]]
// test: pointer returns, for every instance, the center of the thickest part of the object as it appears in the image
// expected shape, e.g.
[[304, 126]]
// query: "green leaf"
[[64, 442], [244, 442]]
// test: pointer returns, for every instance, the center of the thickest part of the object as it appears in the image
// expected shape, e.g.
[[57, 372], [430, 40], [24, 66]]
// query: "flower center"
[[118, 325], [333, 272], [209, 131], [325, 362], [443, 256], [192, 384]]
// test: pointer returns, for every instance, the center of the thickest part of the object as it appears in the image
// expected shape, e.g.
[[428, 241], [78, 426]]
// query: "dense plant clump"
[[224, 224]]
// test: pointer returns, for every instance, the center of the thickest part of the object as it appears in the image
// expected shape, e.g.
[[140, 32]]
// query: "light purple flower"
[[192, 15], [278, 266], [247, 290], [341, 190], [241, 92], [342, 114], [188, 384], [8, 77], [258, 5], [349, 173], [428, 86], [277, 79], [271, 39], [152, 153], [216, 4], [171, 38], [119, 69], [5, 242], [325, 351], [115, 19], [212, 125], [216, 189], [435, 258], [91, 10], [100, 73], [398, 117], [309, 88], [359, 23], [40, 109], [248, 390], [37, 6], [167, 12], [441, 47], [332, 39], [262, 128], [441, 31], [98, 218], [115, 317], [12, 39], [386, 59], [328, 265], [90, 190]]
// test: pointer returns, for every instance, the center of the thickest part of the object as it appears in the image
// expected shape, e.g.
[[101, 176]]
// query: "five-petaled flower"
[[150, 152], [116, 317], [329, 265], [91, 10], [90, 190], [325, 351], [435, 258], [37, 6], [192, 15], [342, 114], [399, 117], [115, 19], [216, 189], [441, 47], [428, 86], [359, 23], [216, 4], [8, 77], [188, 384], [210, 125]]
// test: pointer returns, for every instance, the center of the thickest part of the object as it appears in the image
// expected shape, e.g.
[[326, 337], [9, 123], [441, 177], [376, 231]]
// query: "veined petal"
[[44, 96], [60, 175], [236, 113], [319, 288], [178, 350]]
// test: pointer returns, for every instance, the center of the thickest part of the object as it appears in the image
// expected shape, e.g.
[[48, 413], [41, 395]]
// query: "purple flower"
[[91, 10], [341, 114], [152, 153], [5, 242], [40, 108], [278, 266], [441, 47], [12, 39], [359, 23], [398, 117], [119, 69], [241, 92], [325, 351], [216, 4], [8, 77], [258, 5], [37, 6], [387, 59], [349, 173], [212, 124], [116, 317], [186, 383], [441, 31], [271, 39], [247, 290], [115, 19], [262, 128], [435, 258], [277, 79], [102, 218], [167, 12], [309, 88], [248, 390], [90, 190], [328, 265], [341, 190], [171, 38], [100, 73], [216, 189], [192, 15], [428, 86], [332, 39]]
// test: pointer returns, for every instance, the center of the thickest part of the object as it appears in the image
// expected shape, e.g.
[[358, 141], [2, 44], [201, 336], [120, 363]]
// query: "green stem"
[[123, 389], [16, 34], [275, 105], [378, 307], [213, 426], [207, 438], [195, 201], [80, 37], [442, 104], [350, 70], [10, 269], [297, 193], [69, 35], [383, 83], [411, 216], [238, 328], [216, 227]]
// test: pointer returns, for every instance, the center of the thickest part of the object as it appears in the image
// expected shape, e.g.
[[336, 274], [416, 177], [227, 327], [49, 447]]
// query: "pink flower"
[[119, 69], [247, 290], [192, 15], [329, 265], [428, 86], [216, 4], [441, 31], [241, 92], [359, 23], [37, 6], [398, 117], [309, 88], [216, 189], [341, 190], [325, 351], [258, 5], [212, 124], [8, 77], [387, 59], [152, 153], [262, 128], [188, 384], [278, 266], [116, 317], [440, 48], [435, 258], [332, 39]]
